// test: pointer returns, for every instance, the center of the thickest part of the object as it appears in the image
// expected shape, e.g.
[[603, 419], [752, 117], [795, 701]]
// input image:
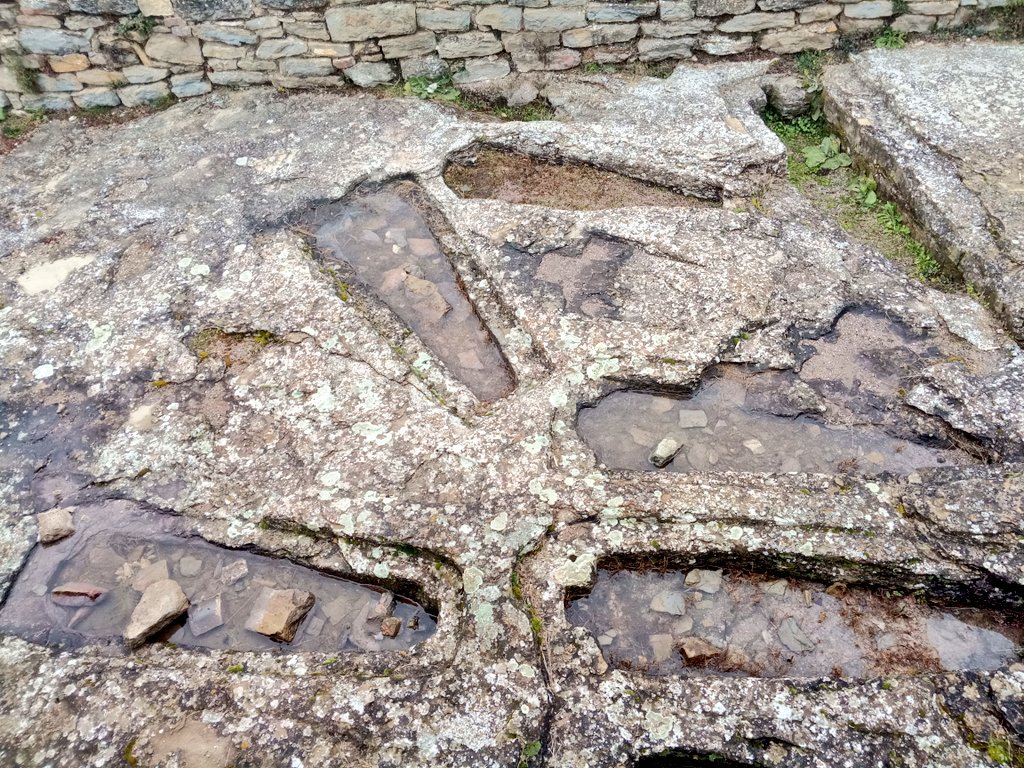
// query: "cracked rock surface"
[[316, 428]]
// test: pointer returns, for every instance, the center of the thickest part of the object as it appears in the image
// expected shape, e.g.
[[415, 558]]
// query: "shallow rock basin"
[[388, 244], [120, 554], [710, 622]]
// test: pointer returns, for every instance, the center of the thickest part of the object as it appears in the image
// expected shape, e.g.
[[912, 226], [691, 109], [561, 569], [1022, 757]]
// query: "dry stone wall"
[[58, 54]]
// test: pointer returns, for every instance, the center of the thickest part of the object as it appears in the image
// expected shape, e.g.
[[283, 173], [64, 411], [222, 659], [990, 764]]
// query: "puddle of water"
[[843, 412], [387, 243], [484, 172], [118, 550], [706, 622]]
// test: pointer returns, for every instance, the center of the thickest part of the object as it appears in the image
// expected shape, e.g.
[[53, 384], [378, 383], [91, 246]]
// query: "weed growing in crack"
[[891, 38]]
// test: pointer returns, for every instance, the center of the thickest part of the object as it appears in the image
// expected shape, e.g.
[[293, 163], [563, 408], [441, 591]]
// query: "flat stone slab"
[[942, 124]]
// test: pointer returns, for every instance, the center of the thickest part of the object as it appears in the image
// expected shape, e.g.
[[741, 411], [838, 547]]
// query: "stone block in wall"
[[320, 81], [477, 70], [77, 23], [677, 10], [300, 67], [610, 54], [419, 44], [911, 22], [784, 5], [141, 75], [52, 41], [368, 73], [190, 84], [529, 3], [174, 50], [935, 7], [466, 45], [724, 7], [670, 29], [809, 37], [237, 78], [553, 19], [958, 19], [657, 49], [868, 9], [69, 62], [820, 12], [5, 100], [223, 51], [294, 5], [58, 83], [725, 45], [139, 95], [619, 12], [48, 7], [599, 34], [308, 30], [114, 7], [549, 60], [252, 64], [48, 102], [91, 98], [278, 49], [850, 26], [212, 10], [217, 33], [47, 22], [331, 50], [499, 17], [156, 8], [101, 77], [263, 23], [423, 66], [353, 23], [443, 19], [758, 22], [530, 41]]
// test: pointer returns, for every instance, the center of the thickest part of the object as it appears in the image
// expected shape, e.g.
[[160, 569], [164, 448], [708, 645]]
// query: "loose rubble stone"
[[161, 603], [669, 601], [705, 581], [278, 613], [391, 626], [368, 74], [55, 525], [205, 616], [791, 636], [698, 651], [664, 452], [150, 574]]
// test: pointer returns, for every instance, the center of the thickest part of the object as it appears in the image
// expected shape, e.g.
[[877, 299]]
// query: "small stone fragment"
[[205, 616], [278, 613], [75, 594], [384, 606], [708, 582], [55, 525], [791, 636], [664, 452], [391, 626], [777, 587], [669, 601], [149, 574], [161, 603], [697, 651], [754, 446], [235, 571], [662, 645], [189, 566]]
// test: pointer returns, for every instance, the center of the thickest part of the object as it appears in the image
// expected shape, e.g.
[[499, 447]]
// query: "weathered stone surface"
[[46, 101], [156, 7], [677, 10], [278, 613], [234, 78], [599, 34], [306, 67], [467, 45], [101, 77], [115, 7], [161, 603], [757, 22], [72, 62], [174, 50], [39, 40], [500, 17], [552, 60], [820, 12], [419, 44], [308, 30], [354, 23], [613, 13], [724, 7], [935, 7], [54, 525], [784, 5], [664, 452], [137, 95], [652, 49], [58, 83], [910, 22], [139, 74], [788, 97], [725, 45], [443, 19], [808, 37], [868, 9], [553, 19], [276, 49], [676, 28], [150, 574], [217, 33], [89, 98], [476, 70], [368, 74], [212, 10], [958, 175]]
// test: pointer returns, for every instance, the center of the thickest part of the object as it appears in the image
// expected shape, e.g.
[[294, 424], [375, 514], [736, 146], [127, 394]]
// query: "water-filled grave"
[[132, 575], [491, 173], [842, 411], [386, 243], [714, 622]]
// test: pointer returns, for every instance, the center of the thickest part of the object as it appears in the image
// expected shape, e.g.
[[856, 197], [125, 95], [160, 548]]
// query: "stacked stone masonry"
[[59, 54]]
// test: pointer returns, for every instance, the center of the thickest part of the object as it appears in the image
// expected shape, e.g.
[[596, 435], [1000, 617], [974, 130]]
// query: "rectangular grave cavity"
[[133, 577], [710, 621], [386, 242], [842, 412], [490, 173]]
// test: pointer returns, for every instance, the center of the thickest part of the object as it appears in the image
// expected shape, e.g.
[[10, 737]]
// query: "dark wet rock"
[[278, 613], [55, 525], [161, 603]]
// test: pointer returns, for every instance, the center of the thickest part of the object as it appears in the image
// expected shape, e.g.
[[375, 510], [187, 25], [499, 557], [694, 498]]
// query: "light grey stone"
[[784, 5], [50, 7], [306, 67], [788, 97], [670, 601], [212, 10], [39, 40], [139, 75], [468, 45], [49, 102], [724, 7], [704, 580], [677, 10], [552, 60], [223, 51], [935, 7], [138, 95], [419, 66], [205, 616], [419, 44], [619, 12], [530, 41], [808, 37], [910, 22], [653, 49], [156, 7], [355, 23], [150, 574], [293, 5], [664, 452], [793, 637], [868, 9], [96, 7], [278, 49], [90, 98], [237, 78], [553, 19], [671, 29], [58, 83], [161, 603], [443, 19], [691, 418], [217, 33], [820, 12], [758, 22], [500, 17], [174, 50], [599, 34], [476, 70], [368, 74], [54, 525], [308, 30]]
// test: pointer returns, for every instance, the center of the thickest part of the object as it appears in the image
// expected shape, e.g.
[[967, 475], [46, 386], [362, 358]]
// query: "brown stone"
[[278, 613], [71, 62]]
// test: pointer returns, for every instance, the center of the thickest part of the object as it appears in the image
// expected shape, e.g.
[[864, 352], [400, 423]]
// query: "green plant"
[[528, 752], [864, 191], [138, 27], [891, 38], [899, 7], [809, 63], [432, 87], [827, 156], [925, 264], [26, 78], [234, 669], [891, 221]]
